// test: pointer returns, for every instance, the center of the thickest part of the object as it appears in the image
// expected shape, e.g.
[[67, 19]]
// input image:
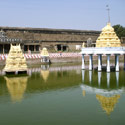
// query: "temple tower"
[[108, 38], [16, 61]]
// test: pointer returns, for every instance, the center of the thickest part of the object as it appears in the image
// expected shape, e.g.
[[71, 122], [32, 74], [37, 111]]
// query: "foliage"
[[120, 30]]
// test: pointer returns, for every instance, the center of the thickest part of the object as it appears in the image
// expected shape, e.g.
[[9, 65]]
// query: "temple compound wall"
[[34, 39]]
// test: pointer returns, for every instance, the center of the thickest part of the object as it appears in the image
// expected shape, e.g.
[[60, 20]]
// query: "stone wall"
[[51, 37]]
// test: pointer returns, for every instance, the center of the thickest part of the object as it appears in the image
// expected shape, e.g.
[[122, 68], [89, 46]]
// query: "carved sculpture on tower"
[[16, 61], [108, 37]]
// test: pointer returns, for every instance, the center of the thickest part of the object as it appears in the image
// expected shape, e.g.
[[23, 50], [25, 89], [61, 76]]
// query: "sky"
[[61, 14]]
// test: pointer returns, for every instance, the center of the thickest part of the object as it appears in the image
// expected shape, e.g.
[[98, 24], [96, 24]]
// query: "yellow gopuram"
[[16, 60], [108, 37]]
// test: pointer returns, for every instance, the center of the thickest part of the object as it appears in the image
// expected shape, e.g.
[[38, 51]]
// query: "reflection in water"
[[90, 76], [108, 79], [16, 87], [83, 92], [83, 75], [45, 74], [99, 78], [117, 78], [107, 95], [108, 103]]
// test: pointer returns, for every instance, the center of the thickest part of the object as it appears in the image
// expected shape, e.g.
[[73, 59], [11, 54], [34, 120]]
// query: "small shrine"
[[45, 56], [108, 37], [16, 61]]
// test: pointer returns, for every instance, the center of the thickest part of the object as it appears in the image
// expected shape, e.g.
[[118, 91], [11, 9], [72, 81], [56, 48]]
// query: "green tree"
[[120, 30]]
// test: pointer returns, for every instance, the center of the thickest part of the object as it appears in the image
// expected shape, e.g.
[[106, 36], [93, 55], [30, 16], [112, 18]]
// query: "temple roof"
[[108, 37], [108, 28]]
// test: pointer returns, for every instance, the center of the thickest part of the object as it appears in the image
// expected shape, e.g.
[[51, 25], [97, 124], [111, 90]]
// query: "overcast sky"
[[61, 14]]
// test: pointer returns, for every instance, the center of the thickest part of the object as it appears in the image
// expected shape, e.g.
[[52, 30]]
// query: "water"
[[63, 96]]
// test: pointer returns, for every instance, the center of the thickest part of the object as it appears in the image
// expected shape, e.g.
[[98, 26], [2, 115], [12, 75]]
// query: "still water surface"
[[63, 96]]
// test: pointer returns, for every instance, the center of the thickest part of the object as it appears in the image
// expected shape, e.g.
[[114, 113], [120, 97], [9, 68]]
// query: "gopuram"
[[16, 61], [107, 44]]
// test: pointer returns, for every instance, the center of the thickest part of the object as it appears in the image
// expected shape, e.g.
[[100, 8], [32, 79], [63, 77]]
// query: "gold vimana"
[[16, 61], [108, 37]]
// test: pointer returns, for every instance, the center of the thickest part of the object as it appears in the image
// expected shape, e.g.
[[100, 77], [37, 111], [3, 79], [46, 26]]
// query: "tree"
[[120, 30]]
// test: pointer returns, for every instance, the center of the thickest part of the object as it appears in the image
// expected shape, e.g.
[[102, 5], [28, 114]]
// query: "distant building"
[[5, 42], [34, 39]]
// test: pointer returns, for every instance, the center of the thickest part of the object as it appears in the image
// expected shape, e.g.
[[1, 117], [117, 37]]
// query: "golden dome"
[[108, 103], [108, 38]]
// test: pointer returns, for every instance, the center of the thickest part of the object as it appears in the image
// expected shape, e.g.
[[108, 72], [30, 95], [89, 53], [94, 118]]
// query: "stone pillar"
[[99, 63], [83, 62], [99, 78], [108, 63], [117, 63], [90, 62], [108, 79], [101, 60], [83, 75]]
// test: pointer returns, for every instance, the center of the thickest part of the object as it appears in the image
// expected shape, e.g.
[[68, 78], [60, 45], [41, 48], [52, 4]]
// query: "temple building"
[[34, 39], [107, 44], [16, 61], [5, 42]]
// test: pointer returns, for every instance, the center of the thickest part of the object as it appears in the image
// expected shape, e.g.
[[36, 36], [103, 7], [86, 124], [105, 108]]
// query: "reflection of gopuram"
[[45, 74], [108, 103], [16, 87], [107, 93]]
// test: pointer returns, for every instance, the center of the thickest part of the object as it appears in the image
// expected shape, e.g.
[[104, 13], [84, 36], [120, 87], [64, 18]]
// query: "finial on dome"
[[108, 9]]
